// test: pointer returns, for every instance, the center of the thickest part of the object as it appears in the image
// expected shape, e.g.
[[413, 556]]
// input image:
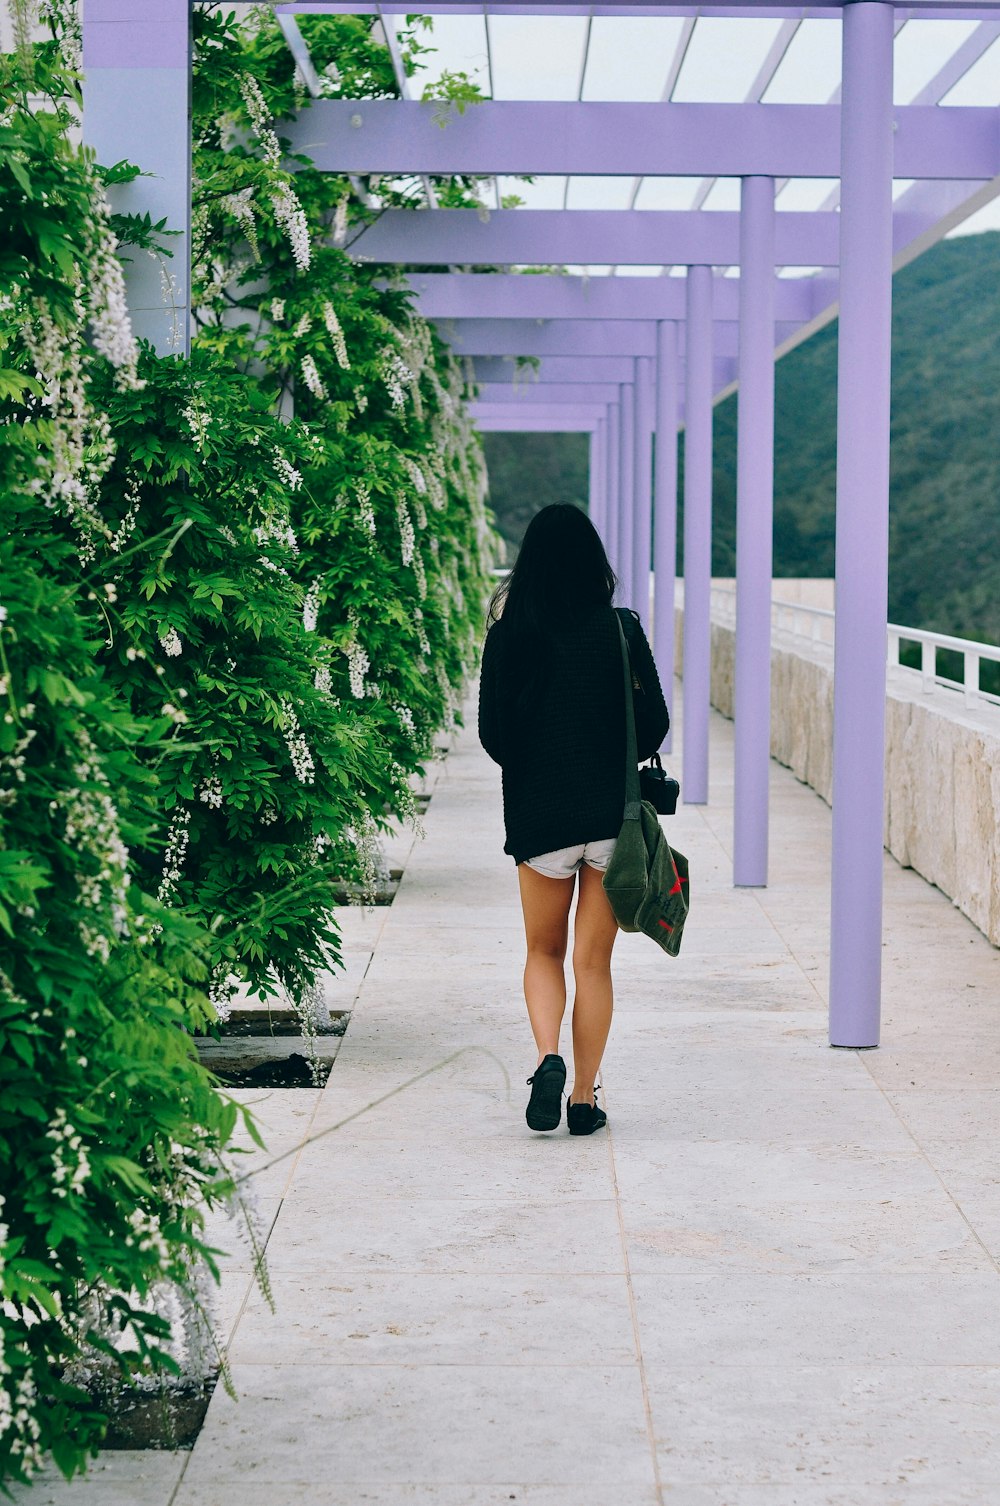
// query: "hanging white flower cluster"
[[336, 333], [366, 511], [71, 1168], [289, 475], [371, 859], [340, 222], [198, 421], [211, 791], [81, 448], [447, 696], [302, 326], [397, 376], [288, 212], [298, 748], [240, 206], [291, 217], [92, 827], [407, 538], [260, 119], [435, 490], [110, 324], [360, 399], [18, 1421], [405, 716], [421, 574], [125, 529], [422, 639], [170, 642], [358, 662], [276, 529], [312, 378], [310, 608], [277, 310], [323, 679], [178, 837]]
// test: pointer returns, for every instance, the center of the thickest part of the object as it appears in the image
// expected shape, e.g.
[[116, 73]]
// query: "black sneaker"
[[547, 1083], [585, 1118]]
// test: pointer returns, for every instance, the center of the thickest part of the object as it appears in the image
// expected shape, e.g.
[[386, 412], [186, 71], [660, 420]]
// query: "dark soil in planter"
[[277, 1022], [291, 1071], [169, 1418], [352, 894]]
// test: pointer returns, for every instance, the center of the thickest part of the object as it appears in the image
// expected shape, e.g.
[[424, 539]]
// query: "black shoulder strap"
[[633, 795]]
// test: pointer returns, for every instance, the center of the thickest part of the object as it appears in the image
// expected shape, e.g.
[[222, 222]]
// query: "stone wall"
[[942, 762]]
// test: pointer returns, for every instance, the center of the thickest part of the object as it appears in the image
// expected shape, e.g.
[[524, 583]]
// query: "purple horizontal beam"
[[547, 393], [512, 295], [526, 237], [660, 140], [555, 411], [965, 10], [554, 369], [521, 424], [565, 337]]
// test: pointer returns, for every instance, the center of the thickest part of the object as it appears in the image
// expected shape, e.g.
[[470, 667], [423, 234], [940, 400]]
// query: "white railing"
[[814, 626]]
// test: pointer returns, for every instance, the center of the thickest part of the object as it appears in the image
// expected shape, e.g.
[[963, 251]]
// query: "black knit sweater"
[[563, 754]]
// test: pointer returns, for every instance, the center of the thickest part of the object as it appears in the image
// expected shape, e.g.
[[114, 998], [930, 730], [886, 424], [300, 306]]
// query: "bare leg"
[[545, 902], [596, 929]]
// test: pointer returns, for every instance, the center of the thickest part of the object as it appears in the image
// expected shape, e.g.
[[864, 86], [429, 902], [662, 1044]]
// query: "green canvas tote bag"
[[646, 881]]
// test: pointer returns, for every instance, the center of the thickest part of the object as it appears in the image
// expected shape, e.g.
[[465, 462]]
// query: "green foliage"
[[228, 638], [944, 570], [528, 471], [111, 1134]]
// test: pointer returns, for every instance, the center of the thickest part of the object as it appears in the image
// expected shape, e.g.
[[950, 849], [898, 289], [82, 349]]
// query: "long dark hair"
[[561, 574]]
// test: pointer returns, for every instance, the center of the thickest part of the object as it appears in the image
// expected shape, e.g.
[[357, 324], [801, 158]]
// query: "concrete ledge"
[[942, 762]]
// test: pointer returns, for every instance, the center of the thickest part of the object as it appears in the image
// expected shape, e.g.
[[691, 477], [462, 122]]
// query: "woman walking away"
[[552, 715]]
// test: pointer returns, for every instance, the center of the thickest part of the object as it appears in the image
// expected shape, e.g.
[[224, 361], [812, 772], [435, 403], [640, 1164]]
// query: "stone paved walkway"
[[773, 1283]]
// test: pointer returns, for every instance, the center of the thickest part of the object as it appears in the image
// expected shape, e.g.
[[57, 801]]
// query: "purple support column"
[[602, 476], [137, 105], [665, 505], [626, 497], [862, 555], [614, 481], [642, 514], [697, 535], [754, 533], [597, 476]]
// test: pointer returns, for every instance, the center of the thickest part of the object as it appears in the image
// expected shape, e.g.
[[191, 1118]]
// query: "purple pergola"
[[630, 361]]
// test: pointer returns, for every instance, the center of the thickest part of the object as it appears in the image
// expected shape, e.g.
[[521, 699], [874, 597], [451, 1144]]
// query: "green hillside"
[[945, 465], [945, 478], [528, 471]]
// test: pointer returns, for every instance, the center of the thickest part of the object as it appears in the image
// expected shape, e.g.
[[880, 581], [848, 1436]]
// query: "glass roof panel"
[[805, 193], [460, 43], [981, 85], [543, 193], [629, 56], [723, 194], [667, 193], [809, 72], [599, 193], [724, 58], [920, 49], [987, 218], [537, 57]]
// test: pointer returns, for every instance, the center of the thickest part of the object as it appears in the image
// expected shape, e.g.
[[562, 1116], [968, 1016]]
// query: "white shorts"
[[566, 861]]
